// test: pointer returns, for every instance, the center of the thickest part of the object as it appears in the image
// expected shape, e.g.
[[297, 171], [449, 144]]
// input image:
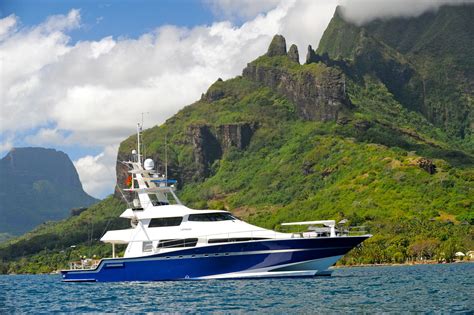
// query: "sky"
[[76, 75]]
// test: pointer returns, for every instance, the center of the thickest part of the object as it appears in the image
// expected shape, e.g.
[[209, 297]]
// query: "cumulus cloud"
[[97, 173], [6, 25], [363, 11], [97, 89], [241, 9], [48, 137]]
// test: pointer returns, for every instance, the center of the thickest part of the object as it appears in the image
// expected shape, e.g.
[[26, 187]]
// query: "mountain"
[[37, 185], [427, 62], [341, 136]]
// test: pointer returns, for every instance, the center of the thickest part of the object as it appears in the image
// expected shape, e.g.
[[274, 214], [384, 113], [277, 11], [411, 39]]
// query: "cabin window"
[[186, 242], [154, 200], [234, 239], [163, 222], [147, 246], [213, 216]]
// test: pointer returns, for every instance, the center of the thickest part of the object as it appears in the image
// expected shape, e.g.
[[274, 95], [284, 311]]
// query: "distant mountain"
[[37, 185]]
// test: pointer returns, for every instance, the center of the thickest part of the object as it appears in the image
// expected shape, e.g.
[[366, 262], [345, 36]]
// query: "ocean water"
[[422, 288]]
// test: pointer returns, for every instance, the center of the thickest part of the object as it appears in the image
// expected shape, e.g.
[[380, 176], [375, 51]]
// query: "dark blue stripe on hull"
[[216, 260]]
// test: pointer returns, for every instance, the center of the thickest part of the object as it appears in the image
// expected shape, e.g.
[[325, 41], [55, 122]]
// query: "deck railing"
[[84, 264]]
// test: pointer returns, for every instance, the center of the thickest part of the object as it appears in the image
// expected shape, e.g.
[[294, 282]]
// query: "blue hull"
[[272, 256]]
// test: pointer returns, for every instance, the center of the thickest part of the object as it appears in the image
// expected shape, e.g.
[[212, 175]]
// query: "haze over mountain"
[[37, 185], [375, 127]]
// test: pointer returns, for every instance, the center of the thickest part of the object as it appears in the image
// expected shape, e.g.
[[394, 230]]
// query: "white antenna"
[[143, 143], [166, 160], [139, 159]]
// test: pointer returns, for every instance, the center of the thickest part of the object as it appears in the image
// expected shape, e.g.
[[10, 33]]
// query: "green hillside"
[[336, 138], [53, 244]]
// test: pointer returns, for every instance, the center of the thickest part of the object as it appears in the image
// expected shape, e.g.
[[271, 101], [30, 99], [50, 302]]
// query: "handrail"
[[252, 234], [84, 264]]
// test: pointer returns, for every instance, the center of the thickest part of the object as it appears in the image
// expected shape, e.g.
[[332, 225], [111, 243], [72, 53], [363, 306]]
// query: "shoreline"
[[428, 262]]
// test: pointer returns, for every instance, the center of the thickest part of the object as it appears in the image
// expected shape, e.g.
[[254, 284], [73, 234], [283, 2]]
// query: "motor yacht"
[[169, 241]]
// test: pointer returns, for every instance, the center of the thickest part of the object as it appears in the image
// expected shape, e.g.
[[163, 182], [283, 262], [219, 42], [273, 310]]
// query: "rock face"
[[235, 135], [209, 143], [427, 165], [206, 148], [311, 56], [293, 54], [277, 46], [37, 185], [318, 96], [214, 93]]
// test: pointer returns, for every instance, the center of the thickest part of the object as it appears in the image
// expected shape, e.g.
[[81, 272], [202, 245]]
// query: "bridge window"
[[147, 246], [154, 200], [213, 216], [187, 242], [163, 222]]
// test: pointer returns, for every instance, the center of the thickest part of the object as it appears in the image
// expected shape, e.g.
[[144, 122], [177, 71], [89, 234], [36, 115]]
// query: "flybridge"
[[169, 241], [151, 187]]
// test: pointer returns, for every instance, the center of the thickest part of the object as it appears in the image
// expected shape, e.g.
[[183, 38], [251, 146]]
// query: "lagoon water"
[[422, 288]]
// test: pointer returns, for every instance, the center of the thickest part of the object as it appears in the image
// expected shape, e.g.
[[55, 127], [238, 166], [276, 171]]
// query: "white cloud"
[[6, 25], [47, 137], [97, 173], [305, 22], [362, 11], [242, 9], [6, 145], [97, 89]]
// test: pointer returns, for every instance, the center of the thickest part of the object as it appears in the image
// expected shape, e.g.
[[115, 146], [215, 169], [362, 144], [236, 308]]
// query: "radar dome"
[[149, 164]]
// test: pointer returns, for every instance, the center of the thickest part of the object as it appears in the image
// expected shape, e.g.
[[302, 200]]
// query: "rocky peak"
[[293, 54], [277, 46], [215, 92], [311, 56], [318, 91]]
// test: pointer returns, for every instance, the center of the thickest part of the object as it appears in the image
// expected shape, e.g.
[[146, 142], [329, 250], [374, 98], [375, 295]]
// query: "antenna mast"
[[143, 144], [139, 158], [166, 160]]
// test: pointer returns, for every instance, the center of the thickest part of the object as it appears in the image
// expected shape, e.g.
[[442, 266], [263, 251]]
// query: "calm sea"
[[422, 288]]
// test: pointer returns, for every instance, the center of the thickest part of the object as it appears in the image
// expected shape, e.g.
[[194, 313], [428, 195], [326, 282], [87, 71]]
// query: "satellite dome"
[[149, 164]]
